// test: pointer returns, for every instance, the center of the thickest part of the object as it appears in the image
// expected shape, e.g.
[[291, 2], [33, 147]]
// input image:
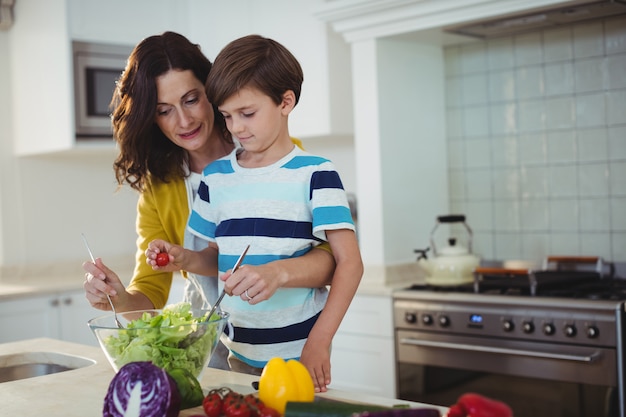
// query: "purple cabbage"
[[141, 389]]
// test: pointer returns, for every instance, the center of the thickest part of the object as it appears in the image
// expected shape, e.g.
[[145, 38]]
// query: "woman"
[[167, 132]]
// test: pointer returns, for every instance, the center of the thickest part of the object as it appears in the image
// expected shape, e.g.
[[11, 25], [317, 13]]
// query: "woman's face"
[[183, 111]]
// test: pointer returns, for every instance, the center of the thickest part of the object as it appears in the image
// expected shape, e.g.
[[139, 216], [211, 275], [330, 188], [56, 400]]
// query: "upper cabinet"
[[40, 53], [41, 62], [41, 80]]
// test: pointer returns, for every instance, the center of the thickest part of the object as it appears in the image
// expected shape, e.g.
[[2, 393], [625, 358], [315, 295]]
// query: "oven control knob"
[[528, 327], [592, 332], [444, 321], [548, 329], [508, 325], [570, 330], [427, 319], [410, 317]]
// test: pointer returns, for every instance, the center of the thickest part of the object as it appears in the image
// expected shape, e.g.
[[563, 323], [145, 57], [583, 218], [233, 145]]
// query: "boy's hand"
[[156, 256], [317, 361]]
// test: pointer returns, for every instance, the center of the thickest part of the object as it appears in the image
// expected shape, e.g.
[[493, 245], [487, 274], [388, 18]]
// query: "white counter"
[[80, 392]]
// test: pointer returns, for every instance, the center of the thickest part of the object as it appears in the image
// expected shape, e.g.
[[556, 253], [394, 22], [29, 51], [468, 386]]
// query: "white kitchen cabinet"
[[41, 80], [40, 61], [60, 316], [74, 311], [362, 358], [44, 29]]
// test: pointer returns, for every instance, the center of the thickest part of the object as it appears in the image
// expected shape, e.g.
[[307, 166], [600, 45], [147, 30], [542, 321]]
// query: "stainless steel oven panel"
[[509, 321], [594, 365]]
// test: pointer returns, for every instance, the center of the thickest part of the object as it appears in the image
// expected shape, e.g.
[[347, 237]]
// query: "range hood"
[[540, 19]]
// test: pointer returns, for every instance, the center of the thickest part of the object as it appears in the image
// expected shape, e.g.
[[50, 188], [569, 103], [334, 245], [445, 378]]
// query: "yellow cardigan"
[[162, 213]]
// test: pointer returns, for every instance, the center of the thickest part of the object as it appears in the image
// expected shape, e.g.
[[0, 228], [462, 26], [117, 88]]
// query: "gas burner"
[[580, 286], [603, 289], [443, 288]]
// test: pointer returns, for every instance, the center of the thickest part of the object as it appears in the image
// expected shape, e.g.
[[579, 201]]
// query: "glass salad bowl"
[[176, 337]]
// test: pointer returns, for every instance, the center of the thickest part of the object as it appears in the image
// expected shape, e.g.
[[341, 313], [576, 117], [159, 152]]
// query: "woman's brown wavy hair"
[[143, 149]]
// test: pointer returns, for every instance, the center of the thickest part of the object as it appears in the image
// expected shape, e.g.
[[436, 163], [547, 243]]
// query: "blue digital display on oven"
[[476, 319]]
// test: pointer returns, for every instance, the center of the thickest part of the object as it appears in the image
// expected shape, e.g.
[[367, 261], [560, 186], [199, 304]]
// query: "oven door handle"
[[504, 351]]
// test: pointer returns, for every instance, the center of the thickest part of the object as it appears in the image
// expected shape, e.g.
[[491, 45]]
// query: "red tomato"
[[254, 403], [252, 400], [268, 412], [212, 404], [228, 397], [237, 408], [162, 259]]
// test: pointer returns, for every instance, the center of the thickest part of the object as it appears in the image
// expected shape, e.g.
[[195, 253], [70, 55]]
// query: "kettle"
[[452, 264]]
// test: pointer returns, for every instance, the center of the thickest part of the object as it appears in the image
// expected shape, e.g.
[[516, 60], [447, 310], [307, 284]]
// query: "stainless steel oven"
[[544, 354]]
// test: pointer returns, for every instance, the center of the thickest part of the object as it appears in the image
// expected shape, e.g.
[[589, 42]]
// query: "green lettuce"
[[161, 339]]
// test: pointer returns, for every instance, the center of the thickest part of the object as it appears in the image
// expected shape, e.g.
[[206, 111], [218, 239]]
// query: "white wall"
[[322, 57], [412, 148], [400, 148]]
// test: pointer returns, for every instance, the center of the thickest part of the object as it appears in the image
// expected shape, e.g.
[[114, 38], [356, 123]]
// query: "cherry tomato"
[[228, 401], [268, 412], [229, 396], [254, 403], [212, 404], [162, 259], [252, 400], [237, 408]]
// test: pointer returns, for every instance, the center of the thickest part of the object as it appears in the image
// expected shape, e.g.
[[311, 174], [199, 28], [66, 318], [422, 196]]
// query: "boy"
[[279, 199]]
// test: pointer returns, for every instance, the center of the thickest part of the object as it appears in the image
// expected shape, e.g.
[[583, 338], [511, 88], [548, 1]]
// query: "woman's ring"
[[247, 295]]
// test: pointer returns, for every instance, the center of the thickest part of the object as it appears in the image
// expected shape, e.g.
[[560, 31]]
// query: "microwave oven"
[[97, 67]]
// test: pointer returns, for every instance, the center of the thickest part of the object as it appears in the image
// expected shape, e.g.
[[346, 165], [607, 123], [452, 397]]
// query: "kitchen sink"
[[31, 364]]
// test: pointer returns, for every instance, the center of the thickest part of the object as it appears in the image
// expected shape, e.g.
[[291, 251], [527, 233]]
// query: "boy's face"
[[256, 121]]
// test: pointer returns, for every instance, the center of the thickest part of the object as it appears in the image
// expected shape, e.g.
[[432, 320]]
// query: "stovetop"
[[592, 289], [583, 311]]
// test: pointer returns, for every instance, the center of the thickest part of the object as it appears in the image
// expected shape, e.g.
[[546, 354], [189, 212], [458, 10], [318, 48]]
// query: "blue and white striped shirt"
[[282, 211]]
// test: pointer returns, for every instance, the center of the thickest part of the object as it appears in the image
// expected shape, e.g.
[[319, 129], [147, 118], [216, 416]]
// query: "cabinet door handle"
[[54, 302], [67, 301]]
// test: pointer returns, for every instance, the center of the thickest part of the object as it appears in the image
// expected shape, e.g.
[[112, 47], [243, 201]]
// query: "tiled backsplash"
[[536, 127]]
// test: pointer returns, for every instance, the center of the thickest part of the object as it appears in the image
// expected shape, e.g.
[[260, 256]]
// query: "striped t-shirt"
[[282, 211]]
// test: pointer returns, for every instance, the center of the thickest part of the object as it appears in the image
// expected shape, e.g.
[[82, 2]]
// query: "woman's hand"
[[100, 281]]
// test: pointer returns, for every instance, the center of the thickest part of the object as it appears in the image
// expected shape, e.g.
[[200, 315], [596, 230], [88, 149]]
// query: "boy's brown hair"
[[257, 62]]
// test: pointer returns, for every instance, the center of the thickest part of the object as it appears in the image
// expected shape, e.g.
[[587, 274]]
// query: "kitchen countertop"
[[81, 392], [50, 279], [37, 280]]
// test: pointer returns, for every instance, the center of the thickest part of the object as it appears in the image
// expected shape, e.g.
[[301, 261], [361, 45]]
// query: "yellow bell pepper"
[[282, 381]]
